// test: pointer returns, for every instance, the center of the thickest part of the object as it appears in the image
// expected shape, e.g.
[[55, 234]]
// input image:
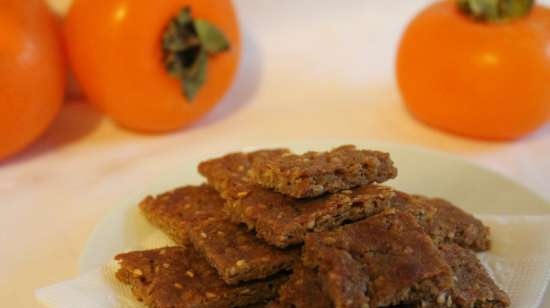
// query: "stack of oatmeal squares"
[[275, 229]]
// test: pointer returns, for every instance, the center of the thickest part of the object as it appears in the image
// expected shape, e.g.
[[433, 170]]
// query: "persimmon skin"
[[485, 80], [32, 73], [115, 51]]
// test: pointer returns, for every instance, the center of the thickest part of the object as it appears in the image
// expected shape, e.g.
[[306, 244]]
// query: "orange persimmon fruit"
[[486, 79], [118, 52], [32, 73]]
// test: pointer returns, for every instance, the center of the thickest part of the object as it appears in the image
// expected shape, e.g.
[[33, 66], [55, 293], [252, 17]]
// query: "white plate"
[[420, 171]]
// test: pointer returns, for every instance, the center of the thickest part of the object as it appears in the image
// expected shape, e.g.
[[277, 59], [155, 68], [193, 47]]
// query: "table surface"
[[310, 69]]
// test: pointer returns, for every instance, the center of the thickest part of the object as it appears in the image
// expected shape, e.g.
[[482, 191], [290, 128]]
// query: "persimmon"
[[153, 66], [476, 70], [32, 73]]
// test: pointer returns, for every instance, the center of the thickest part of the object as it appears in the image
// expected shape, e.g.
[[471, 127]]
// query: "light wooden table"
[[311, 69]]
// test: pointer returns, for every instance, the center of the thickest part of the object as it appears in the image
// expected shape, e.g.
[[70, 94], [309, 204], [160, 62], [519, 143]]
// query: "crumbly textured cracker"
[[277, 218], [178, 277], [237, 254], [195, 214], [263, 304], [302, 290], [174, 212], [386, 259], [283, 223], [314, 173], [234, 168], [473, 285], [445, 222]]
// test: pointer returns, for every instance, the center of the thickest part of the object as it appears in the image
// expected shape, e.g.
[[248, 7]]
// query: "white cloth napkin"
[[519, 261]]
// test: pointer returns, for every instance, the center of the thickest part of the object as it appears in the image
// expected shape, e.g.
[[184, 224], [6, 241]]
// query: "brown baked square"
[[445, 222], [195, 214], [179, 277], [384, 260], [314, 173], [303, 290], [473, 285], [279, 219], [237, 254], [175, 211]]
